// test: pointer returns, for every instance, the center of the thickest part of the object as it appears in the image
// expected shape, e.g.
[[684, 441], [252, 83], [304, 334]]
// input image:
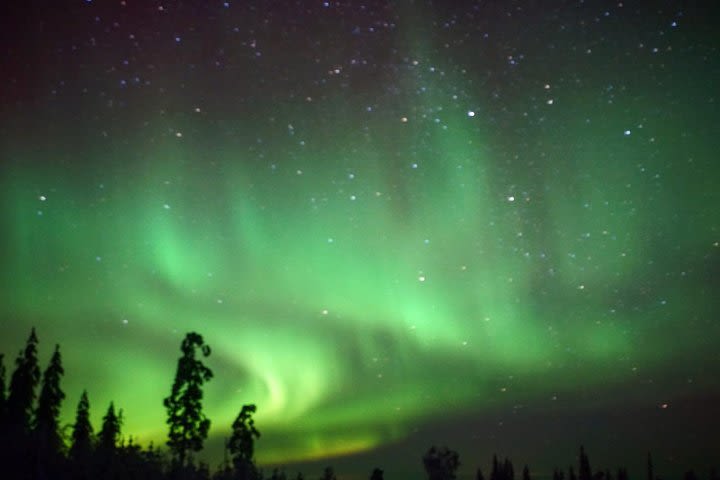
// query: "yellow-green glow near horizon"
[[359, 271]]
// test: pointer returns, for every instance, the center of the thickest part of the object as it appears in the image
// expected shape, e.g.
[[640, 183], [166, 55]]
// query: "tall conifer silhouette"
[[24, 381], [188, 424], [495, 470], [585, 473], [81, 445], [18, 452], [109, 434], [47, 424], [106, 452], [242, 443]]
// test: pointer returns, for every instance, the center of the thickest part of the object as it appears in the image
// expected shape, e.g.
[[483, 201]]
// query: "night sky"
[[492, 225]]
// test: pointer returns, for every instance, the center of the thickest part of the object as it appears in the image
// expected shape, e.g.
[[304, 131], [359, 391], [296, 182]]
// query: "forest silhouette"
[[34, 445]]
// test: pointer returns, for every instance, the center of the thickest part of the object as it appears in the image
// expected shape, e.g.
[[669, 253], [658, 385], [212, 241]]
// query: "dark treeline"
[[35, 446]]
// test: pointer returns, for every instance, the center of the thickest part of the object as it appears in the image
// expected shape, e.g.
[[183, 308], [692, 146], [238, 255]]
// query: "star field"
[[489, 224]]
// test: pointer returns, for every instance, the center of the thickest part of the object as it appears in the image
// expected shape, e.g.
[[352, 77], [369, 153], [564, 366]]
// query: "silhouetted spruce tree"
[[18, 452], [376, 474], [526, 473], [81, 439], [571, 474], [585, 473], [106, 452], [479, 474], [241, 444], [558, 474], [47, 424], [495, 471], [188, 425], [47, 440], [109, 434], [21, 397], [441, 463], [328, 474]]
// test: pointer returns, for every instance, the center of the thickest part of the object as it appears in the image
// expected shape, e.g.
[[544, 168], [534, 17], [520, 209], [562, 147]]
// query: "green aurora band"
[[356, 282]]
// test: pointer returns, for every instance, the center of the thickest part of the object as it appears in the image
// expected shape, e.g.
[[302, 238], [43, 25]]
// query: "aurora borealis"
[[395, 223]]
